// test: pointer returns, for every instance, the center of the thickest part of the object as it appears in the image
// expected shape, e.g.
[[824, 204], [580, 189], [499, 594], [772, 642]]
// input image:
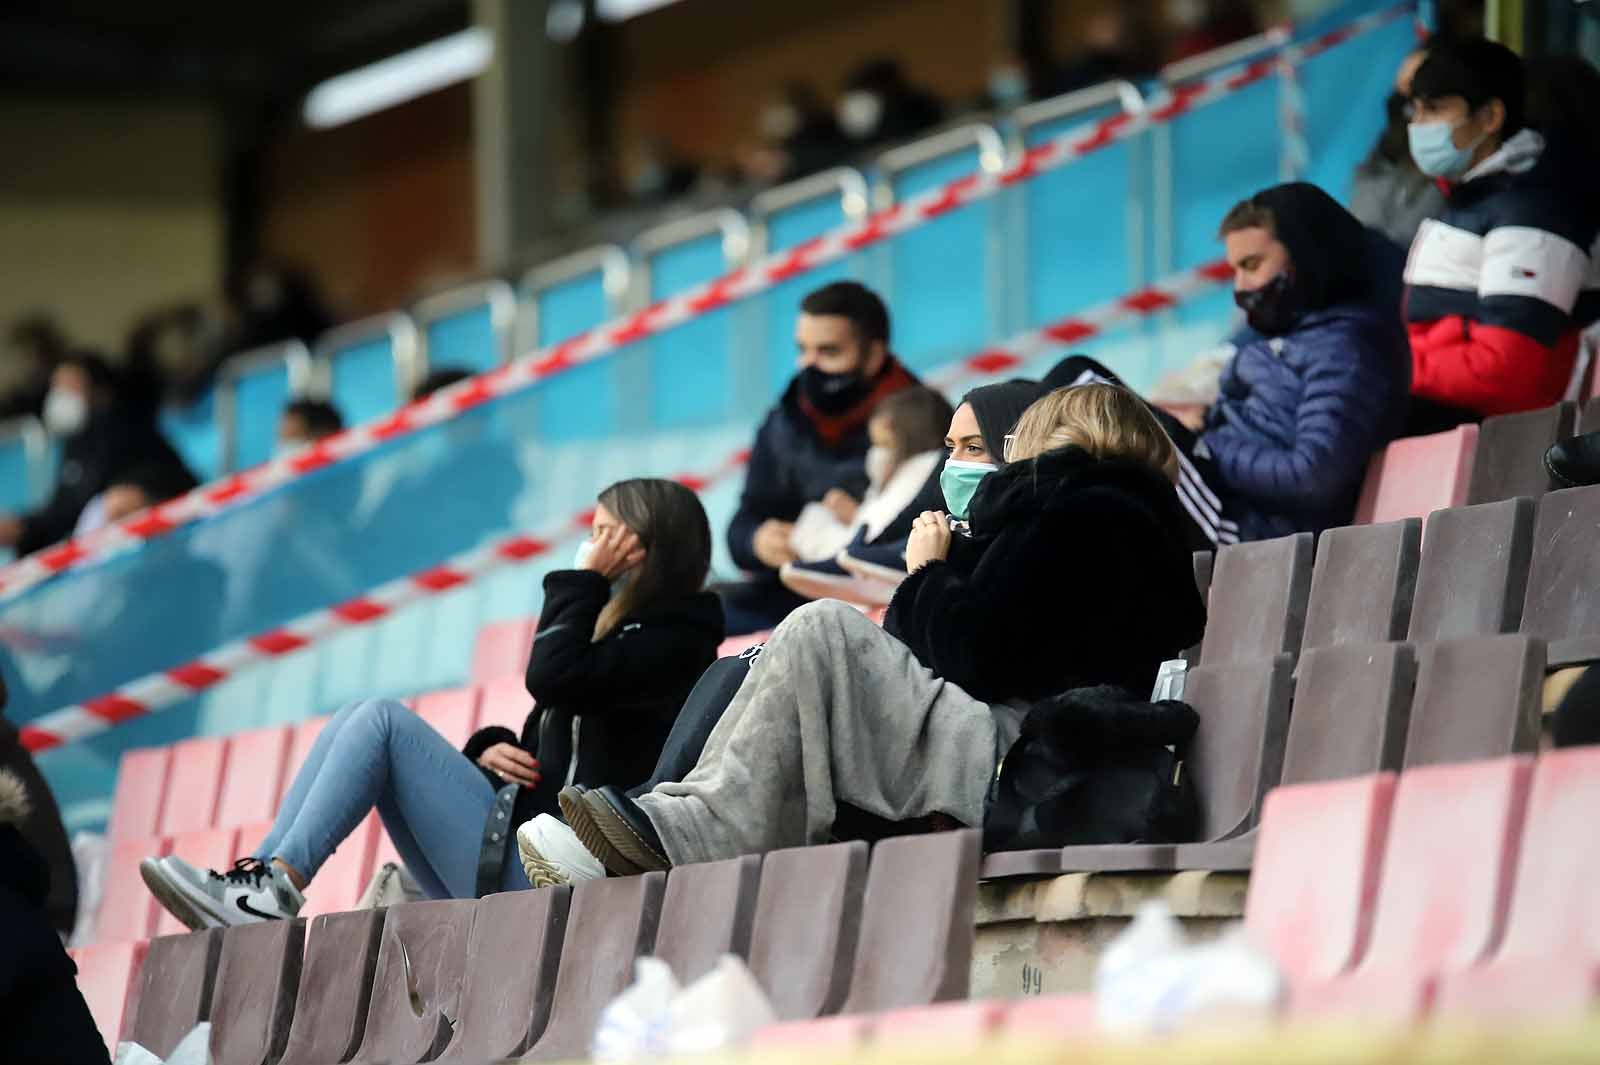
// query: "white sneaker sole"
[[167, 891], [546, 867]]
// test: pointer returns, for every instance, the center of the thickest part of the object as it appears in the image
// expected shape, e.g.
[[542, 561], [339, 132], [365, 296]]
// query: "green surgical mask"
[[959, 481]]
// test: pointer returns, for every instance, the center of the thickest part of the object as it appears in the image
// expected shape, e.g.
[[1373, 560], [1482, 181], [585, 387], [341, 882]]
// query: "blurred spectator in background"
[[1198, 26], [657, 174], [879, 106], [34, 347], [144, 486], [103, 439], [1389, 193], [172, 346], [263, 303], [799, 136], [305, 421], [1116, 44]]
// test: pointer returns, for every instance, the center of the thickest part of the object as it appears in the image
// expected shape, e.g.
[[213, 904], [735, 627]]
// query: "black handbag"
[[1094, 766]]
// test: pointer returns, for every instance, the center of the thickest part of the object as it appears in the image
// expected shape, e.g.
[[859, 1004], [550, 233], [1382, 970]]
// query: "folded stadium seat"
[[807, 922], [708, 911], [1362, 583], [209, 848], [330, 1006], [1510, 456], [1351, 708], [141, 786], [343, 877], [1204, 563], [106, 975], [250, 790], [452, 713], [1258, 601], [609, 924], [1316, 873], [1563, 601], [1417, 475], [300, 742], [258, 973], [504, 702], [1548, 965], [1589, 420], [416, 988], [1474, 571], [512, 959], [194, 784], [1476, 698], [127, 909], [1453, 836], [1235, 758], [173, 990], [502, 649], [734, 646]]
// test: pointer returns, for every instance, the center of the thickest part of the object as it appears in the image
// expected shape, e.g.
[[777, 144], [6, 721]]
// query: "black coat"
[[610, 703], [1078, 574]]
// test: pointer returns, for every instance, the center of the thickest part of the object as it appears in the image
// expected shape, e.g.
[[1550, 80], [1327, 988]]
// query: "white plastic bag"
[[817, 534], [654, 1018], [192, 1049], [634, 1026]]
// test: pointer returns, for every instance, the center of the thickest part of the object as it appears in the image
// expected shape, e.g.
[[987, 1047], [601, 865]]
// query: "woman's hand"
[[511, 764], [616, 550], [841, 505], [930, 540]]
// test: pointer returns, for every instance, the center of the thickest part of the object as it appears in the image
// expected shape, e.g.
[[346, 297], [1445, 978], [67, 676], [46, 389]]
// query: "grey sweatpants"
[[834, 711]]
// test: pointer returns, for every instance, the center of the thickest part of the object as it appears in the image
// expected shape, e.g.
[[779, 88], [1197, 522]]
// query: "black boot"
[[1575, 461]]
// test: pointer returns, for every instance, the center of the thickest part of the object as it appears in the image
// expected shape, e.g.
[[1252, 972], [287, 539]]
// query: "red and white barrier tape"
[[171, 686], [775, 269]]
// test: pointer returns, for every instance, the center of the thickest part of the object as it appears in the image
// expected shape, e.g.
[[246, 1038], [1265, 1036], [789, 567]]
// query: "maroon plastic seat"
[[330, 1009], [504, 702], [1417, 475], [610, 923], [250, 792], [416, 987], [193, 785], [708, 911], [258, 977], [453, 713], [917, 922], [511, 974], [1204, 563], [174, 989], [1474, 571], [127, 909], [1316, 871], [502, 649], [1443, 892], [1589, 420], [1563, 601], [1548, 966], [808, 919], [1511, 447], [1258, 601], [1476, 698], [141, 787], [1361, 584]]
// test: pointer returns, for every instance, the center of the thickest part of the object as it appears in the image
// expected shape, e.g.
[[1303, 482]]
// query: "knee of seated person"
[[378, 712], [823, 614]]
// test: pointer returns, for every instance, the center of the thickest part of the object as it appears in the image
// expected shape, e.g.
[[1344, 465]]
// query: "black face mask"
[[1271, 309], [833, 393]]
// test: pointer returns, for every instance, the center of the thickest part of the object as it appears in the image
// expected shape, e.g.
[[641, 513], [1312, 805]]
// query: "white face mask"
[[860, 112], [780, 122], [585, 553], [880, 465], [65, 413]]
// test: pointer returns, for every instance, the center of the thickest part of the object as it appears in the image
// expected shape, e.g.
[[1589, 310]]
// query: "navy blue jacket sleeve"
[[763, 499]]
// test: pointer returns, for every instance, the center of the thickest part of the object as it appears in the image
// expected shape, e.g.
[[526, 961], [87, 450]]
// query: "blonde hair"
[[1105, 420]]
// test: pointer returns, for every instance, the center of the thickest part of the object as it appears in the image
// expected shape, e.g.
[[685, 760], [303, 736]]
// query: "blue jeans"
[[432, 800]]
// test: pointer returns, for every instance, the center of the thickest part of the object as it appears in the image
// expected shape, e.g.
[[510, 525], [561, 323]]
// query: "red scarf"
[[833, 428]]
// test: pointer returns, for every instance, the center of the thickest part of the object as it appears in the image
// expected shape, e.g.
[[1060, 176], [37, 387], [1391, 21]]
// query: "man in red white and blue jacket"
[[1493, 287]]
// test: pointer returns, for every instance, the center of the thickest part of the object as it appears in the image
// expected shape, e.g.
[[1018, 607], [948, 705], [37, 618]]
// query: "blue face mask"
[[1435, 153], [959, 482]]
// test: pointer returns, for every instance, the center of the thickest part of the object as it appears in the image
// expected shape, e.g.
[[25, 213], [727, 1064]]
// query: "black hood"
[[1326, 243], [997, 408], [1046, 483], [21, 868]]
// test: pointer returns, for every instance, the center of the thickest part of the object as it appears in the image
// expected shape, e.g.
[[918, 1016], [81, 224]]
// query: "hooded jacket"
[[604, 706], [1077, 574], [1493, 285], [1298, 416], [799, 455]]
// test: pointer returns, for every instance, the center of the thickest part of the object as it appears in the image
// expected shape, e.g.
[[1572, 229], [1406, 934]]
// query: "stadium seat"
[[502, 650], [330, 1009], [452, 713], [1204, 563], [1474, 571], [708, 911], [343, 877], [1563, 601], [174, 989], [1476, 698], [512, 960], [808, 918], [917, 925], [1443, 892], [107, 973], [1258, 601], [127, 909], [504, 702], [300, 742], [252, 1006], [610, 923], [209, 848], [416, 987], [1510, 456], [1589, 420], [194, 784], [1361, 584], [1318, 859], [1548, 965], [250, 790], [1417, 475], [141, 787]]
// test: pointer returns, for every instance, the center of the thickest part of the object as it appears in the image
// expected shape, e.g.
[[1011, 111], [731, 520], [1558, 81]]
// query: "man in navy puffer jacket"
[[1325, 384]]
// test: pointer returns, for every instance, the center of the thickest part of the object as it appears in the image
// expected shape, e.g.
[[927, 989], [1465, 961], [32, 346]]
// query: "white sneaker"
[[552, 853], [251, 891]]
